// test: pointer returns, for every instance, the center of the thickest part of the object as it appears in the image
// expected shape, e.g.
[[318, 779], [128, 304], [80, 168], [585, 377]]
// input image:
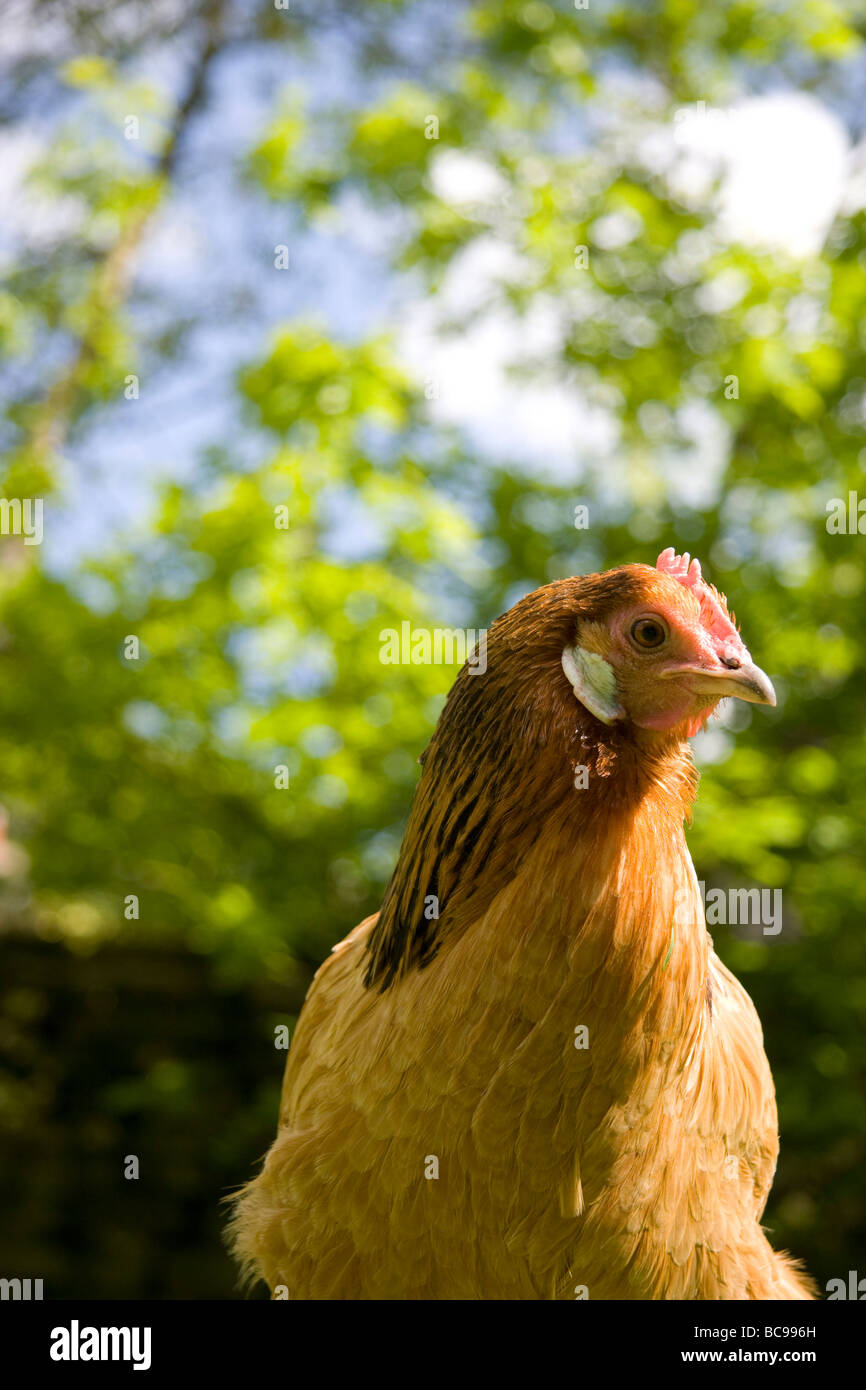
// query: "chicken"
[[529, 1076]]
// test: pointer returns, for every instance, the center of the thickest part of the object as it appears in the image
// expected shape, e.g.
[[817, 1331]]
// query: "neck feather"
[[563, 786]]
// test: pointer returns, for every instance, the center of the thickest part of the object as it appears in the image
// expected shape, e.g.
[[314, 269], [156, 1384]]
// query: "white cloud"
[[783, 161], [544, 423], [28, 214], [461, 178]]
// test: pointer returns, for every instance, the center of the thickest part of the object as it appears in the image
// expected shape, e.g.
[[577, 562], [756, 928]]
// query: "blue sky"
[[784, 166]]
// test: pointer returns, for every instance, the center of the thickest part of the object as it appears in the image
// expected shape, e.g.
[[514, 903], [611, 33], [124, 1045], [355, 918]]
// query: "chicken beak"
[[744, 682]]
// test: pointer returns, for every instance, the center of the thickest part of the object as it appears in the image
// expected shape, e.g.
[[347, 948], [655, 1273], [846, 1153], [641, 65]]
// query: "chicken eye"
[[648, 632]]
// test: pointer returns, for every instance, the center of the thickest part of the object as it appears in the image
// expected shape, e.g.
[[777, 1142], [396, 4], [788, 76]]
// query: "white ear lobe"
[[593, 682]]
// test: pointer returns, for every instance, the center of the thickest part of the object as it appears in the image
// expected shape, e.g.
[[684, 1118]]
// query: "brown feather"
[[639, 1166]]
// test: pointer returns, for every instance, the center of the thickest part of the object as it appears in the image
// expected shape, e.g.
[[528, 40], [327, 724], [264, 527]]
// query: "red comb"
[[688, 573]]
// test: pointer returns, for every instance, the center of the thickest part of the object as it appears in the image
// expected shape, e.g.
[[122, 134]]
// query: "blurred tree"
[[532, 186]]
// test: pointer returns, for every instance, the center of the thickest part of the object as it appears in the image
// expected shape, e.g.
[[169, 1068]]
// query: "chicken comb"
[[714, 613]]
